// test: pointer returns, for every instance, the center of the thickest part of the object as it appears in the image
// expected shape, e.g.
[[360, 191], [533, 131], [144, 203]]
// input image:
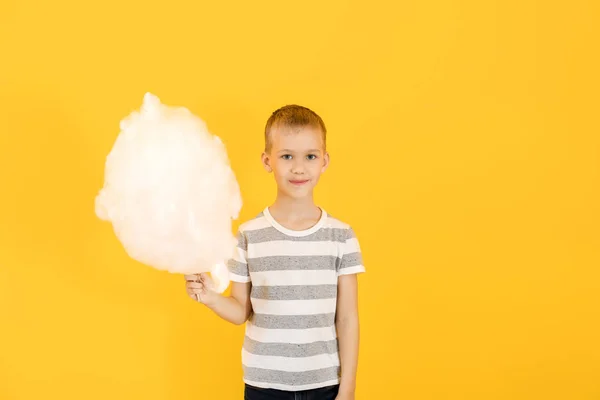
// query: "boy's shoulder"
[[335, 223], [257, 222]]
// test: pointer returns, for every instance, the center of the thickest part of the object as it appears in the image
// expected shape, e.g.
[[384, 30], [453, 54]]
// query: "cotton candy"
[[170, 193]]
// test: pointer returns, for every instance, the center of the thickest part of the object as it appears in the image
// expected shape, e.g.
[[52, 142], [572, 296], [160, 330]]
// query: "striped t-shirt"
[[290, 341]]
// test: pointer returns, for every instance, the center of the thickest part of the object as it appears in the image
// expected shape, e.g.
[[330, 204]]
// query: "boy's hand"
[[345, 394], [200, 288]]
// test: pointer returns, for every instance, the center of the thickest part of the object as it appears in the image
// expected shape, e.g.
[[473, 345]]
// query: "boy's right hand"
[[200, 288]]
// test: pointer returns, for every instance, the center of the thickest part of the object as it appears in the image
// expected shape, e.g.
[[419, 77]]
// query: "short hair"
[[293, 116]]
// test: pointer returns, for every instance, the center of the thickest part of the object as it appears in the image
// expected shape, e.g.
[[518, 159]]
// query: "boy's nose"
[[298, 168]]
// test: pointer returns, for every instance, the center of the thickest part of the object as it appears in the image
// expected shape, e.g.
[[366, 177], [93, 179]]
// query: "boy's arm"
[[235, 308], [347, 327]]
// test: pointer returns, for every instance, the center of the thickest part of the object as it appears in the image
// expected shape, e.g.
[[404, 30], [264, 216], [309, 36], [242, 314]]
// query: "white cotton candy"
[[170, 193]]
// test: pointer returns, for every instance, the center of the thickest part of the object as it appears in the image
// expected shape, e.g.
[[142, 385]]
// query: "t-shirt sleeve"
[[352, 261], [238, 264]]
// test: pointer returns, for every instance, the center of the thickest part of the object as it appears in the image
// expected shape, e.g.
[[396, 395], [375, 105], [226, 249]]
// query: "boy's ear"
[[325, 162], [266, 161]]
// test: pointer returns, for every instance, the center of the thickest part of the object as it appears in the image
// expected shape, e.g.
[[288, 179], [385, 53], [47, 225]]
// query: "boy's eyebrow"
[[292, 151]]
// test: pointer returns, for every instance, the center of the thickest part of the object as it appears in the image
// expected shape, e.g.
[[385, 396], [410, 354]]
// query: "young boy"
[[293, 276]]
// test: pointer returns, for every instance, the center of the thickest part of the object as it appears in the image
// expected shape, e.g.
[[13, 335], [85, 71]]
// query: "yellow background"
[[465, 148]]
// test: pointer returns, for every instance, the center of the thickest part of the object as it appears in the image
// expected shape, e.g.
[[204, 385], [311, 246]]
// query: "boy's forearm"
[[229, 309], [348, 339]]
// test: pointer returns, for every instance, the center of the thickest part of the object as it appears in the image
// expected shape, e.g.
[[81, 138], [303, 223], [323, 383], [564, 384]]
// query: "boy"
[[293, 276]]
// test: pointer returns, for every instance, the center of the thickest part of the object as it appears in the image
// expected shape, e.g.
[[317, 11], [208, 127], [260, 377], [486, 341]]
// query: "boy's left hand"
[[345, 396]]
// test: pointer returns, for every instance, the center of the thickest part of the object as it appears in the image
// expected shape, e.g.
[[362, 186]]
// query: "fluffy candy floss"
[[170, 193]]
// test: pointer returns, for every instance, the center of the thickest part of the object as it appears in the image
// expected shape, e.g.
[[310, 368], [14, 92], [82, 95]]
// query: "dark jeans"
[[325, 393]]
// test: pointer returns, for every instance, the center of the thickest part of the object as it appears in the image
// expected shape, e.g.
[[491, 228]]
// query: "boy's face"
[[297, 159]]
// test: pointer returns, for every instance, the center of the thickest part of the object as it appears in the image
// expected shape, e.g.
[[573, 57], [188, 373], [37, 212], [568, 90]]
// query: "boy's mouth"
[[298, 182]]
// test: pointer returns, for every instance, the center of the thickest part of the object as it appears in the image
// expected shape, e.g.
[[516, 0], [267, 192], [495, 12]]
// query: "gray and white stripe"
[[290, 341]]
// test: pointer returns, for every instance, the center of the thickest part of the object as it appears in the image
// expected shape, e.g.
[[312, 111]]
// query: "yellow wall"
[[465, 147]]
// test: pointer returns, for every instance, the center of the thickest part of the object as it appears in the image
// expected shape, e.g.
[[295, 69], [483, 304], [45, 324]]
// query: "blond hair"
[[293, 116]]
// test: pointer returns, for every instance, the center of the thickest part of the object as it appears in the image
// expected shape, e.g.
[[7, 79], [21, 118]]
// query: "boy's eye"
[[289, 156]]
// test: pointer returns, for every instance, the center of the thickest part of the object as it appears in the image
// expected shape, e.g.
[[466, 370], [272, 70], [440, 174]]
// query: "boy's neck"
[[294, 208]]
